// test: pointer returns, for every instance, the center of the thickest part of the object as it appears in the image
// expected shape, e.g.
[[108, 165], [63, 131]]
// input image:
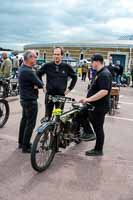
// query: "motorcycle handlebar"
[[59, 98], [63, 99]]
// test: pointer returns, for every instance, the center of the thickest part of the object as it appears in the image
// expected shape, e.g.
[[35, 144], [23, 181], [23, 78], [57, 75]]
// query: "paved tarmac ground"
[[71, 175]]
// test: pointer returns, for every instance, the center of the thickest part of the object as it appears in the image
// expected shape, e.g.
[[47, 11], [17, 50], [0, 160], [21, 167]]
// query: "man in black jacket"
[[28, 85], [57, 74]]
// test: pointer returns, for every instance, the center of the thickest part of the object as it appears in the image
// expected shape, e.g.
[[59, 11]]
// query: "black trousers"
[[49, 106], [28, 122], [96, 118], [84, 76]]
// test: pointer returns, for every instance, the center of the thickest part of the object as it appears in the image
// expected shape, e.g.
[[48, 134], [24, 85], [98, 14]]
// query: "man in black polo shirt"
[[28, 85], [57, 74], [98, 95]]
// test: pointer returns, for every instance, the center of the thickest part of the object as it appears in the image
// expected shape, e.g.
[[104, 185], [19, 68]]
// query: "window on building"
[[67, 54], [81, 56], [44, 56]]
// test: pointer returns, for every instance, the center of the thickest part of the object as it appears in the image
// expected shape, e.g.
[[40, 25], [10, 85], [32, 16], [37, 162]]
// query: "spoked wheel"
[[43, 149], [4, 112], [77, 139]]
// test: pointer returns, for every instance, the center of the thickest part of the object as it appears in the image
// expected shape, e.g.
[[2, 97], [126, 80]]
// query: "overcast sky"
[[42, 21]]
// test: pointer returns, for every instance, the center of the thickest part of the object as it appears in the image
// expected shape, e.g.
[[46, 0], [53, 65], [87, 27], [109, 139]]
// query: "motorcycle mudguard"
[[43, 126]]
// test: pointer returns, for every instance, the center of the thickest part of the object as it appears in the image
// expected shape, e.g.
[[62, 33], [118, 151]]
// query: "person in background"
[[84, 70], [111, 67], [92, 74], [15, 66], [118, 72], [6, 66]]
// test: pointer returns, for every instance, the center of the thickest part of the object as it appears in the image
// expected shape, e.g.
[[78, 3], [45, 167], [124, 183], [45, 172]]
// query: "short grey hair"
[[28, 54]]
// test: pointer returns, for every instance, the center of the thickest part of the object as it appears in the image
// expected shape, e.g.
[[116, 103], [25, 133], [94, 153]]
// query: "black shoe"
[[29, 146], [26, 150], [88, 137], [93, 152], [19, 146]]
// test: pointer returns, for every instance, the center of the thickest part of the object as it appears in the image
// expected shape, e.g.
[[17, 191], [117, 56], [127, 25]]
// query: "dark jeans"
[[28, 122], [96, 118], [49, 106], [84, 76]]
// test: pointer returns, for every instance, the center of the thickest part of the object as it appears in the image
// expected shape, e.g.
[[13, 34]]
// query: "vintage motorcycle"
[[8, 87], [4, 112], [56, 133]]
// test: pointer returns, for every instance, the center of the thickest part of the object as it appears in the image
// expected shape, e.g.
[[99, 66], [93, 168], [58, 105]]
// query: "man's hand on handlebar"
[[84, 100]]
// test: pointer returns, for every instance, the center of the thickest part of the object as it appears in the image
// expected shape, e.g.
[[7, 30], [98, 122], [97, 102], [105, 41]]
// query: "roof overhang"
[[85, 45]]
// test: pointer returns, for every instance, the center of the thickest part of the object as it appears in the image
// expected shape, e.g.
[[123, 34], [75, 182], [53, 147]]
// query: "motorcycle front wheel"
[[43, 149]]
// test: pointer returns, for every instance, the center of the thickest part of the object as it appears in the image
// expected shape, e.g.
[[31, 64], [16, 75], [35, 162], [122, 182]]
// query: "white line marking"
[[128, 103], [120, 118]]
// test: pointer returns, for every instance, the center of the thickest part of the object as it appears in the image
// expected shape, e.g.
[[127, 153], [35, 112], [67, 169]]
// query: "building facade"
[[119, 50]]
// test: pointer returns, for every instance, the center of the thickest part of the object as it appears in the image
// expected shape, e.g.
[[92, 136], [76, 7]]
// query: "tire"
[[42, 138], [1, 91], [4, 112]]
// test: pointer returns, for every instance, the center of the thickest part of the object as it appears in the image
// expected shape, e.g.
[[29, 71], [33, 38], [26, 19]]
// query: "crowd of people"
[[116, 69]]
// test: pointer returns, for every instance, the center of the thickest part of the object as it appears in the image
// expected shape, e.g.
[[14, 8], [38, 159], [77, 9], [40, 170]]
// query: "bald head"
[[4, 55]]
